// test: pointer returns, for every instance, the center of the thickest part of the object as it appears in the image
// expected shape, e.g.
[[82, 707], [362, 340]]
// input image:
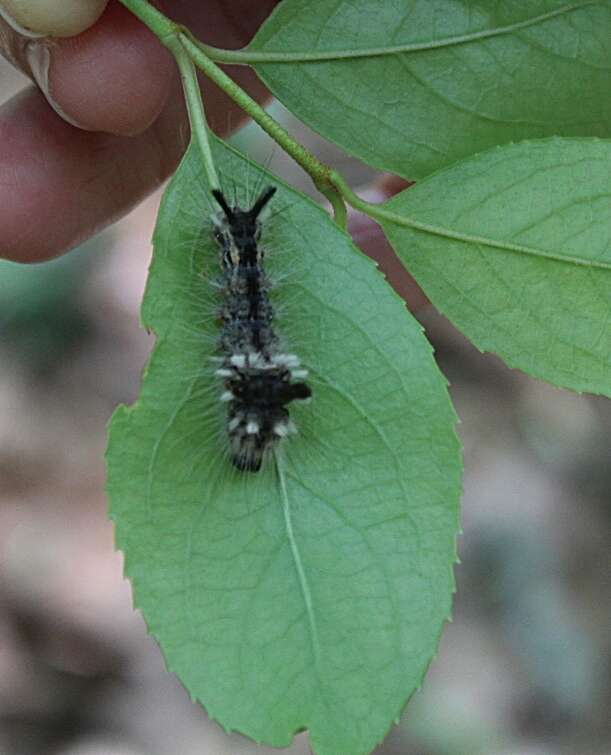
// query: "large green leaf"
[[312, 594], [413, 86], [517, 254]]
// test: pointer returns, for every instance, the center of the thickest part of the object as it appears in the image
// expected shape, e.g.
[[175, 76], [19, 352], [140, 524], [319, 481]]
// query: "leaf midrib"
[[506, 246], [298, 563], [253, 56]]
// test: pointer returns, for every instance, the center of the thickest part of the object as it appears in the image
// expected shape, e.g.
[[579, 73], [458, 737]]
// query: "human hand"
[[107, 125]]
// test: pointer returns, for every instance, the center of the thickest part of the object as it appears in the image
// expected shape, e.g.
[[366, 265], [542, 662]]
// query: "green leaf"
[[516, 251], [311, 594], [413, 86]]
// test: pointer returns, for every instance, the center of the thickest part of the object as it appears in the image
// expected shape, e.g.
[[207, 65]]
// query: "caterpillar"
[[260, 378]]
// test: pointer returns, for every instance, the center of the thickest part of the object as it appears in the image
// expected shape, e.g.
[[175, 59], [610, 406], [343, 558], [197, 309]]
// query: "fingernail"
[[38, 54]]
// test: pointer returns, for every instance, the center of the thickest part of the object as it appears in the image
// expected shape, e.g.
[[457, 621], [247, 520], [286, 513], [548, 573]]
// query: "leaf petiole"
[[187, 51], [161, 26], [170, 34], [195, 107], [318, 171], [381, 215]]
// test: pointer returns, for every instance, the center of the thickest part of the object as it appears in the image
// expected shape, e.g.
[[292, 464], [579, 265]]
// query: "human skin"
[[105, 125]]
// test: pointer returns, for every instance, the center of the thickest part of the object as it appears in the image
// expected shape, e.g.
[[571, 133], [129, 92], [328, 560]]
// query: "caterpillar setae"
[[259, 378]]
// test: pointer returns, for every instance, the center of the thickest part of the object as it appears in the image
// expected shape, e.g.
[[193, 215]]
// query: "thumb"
[[53, 18], [114, 76]]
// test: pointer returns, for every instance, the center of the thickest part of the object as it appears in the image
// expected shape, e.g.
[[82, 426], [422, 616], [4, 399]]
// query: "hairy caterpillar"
[[259, 378]]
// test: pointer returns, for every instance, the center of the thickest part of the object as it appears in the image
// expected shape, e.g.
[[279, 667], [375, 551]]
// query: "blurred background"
[[524, 669]]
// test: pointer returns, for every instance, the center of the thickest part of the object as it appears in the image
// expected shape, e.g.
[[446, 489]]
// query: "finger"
[[59, 184], [114, 77], [230, 25], [59, 18], [368, 236]]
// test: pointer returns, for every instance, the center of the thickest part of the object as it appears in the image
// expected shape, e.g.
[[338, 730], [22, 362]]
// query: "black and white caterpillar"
[[259, 378]]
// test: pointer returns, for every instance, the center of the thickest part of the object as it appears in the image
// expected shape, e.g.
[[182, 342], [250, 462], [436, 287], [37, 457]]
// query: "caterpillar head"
[[240, 230]]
